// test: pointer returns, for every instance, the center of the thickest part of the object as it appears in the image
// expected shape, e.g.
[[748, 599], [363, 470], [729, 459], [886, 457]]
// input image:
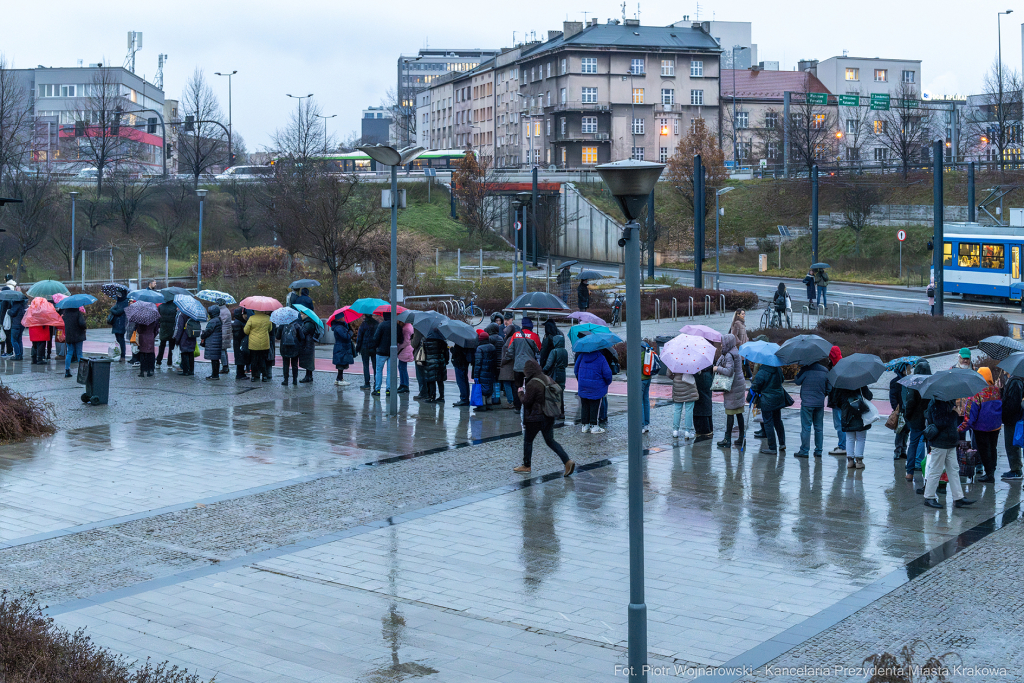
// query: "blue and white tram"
[[982, 261]]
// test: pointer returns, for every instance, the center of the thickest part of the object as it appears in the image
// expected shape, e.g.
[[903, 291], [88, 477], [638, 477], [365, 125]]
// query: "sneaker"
[[690, 435], [1012, 475], [860, 463], [646, 429], [586, 429], [934, 503], [675, 433], [374, 393], [597, 430], [990, 479], [963, 502], [851, 464], [837, 451], [570, 467], [817, 454], [522, 469], [768, 451]]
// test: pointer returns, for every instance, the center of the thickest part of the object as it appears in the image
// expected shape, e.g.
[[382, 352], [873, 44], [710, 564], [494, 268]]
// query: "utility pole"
[[814, 214], [937, 238], [650, 236], [698, 222], [231, 152], [785, 134]]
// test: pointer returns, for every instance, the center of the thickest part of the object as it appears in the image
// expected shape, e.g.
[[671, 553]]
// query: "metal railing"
[[657, 310], [707, 305], [721, 304]]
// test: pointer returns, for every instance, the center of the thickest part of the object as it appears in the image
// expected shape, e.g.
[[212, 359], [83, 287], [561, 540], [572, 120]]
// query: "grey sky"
[[345, 52]]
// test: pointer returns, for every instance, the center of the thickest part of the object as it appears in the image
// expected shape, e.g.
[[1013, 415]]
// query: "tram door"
[[1015, 286]]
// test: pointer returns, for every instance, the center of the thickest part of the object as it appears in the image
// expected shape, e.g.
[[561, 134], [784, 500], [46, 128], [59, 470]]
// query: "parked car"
[[88, 173], [246, 173]]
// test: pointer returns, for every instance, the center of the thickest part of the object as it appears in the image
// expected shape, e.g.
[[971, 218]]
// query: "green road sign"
[[817, 98], [848, 100], [880, 97], [909, 104], [879, 105]]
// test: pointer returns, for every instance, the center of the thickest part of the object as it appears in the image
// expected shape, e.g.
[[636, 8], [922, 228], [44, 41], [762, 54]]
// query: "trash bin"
[[94, 373], [660, 340]]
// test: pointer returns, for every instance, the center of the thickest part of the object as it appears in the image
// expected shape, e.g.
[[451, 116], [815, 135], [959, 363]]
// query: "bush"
[[251, 261], [22, 417], [33, 649]]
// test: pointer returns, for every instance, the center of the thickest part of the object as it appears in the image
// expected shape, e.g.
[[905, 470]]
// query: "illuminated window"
[[818, 121], [638, 95], [879, 127], [947, 253], [852, 74], [1015, 263], [969, 255], [881, 75], [536, 129], [590, 155], [992, 256]]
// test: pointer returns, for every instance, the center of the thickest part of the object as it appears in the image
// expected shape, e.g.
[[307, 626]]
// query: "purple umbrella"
[[585, 317], [142, 313]]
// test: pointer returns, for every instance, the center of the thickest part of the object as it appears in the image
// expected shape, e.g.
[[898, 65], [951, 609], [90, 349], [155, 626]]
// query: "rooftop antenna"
[[697, 16], [638, 11], [134, 45], [160, 60], [623, 11], [585, 13]]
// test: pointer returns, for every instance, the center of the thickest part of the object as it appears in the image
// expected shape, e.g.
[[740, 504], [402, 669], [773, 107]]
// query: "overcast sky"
[[345, 52]]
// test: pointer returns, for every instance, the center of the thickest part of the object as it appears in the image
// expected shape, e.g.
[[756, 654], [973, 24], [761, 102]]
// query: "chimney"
[[808, 65], [632, 22], [571, 28], [553, 34], [593, 21]]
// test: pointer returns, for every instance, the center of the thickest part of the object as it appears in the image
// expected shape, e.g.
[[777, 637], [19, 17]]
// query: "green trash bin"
[[95, 375]]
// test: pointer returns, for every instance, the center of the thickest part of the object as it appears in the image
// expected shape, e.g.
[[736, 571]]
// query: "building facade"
[[442, 112], [375, 126], [506, 109]]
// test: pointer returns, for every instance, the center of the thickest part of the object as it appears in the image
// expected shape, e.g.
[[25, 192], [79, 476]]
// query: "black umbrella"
[[1013, 365], [999, 347], [11, 295], [407, 316], [459, 333], [949, 385], [589, 275], [426, 322], [820, 265], [566, 264], [804, 349], [856, 371], [170, 292], [537, 301], [299, 284]]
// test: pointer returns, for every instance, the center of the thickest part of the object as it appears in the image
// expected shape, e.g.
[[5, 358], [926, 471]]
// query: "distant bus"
[[359, 162]]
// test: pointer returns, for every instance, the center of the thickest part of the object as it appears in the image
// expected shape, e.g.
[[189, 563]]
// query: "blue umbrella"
[[216, 297], [761, 352], [899, 362], [76, 300], [190, 307], [149, 295], [309, 314], [595, 342], [368, 306], [587, 328]]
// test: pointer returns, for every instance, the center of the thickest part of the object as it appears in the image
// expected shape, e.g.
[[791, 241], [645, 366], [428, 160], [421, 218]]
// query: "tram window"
[[992, 256], [969, 255], [1015, 263], [947, 253]]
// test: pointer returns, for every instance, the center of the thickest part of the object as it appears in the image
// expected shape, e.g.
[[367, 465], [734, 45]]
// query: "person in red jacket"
[[39, 335]]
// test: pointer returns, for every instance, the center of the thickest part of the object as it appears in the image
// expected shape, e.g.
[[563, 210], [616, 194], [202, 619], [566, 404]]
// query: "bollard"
[[805, 317], [835, 308], [852, 314], [675, 310], [707, 305], [657, 310], [819, 310], [691, 308], [721, 304]]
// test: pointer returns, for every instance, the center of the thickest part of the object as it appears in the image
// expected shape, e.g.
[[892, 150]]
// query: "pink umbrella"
[[347, 314], [260, 303], [585, 317], [688, 354], [702, 331]]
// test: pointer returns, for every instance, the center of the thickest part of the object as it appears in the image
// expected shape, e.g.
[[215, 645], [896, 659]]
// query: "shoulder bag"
[[894, 420], [723, 382]]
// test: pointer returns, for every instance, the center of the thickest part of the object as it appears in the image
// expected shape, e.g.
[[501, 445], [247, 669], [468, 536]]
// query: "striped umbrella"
[[191, 307]]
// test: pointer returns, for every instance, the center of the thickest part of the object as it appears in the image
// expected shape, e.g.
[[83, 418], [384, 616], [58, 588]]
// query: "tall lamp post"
[[718, 246], [999, 39], [389, 156], [231, 152], [631, 183], [321, 116], [74, 195], [300, 98], [199, 263]]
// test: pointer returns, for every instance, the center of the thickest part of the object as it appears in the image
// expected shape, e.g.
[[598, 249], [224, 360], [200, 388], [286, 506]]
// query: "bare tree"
[[812, 133], [28, 222], [129, 201], [858, 201], [768, 136], [205, 145], [854, 124], [474, 184], [238, 149], [244, 208], [303, 137], [1002, 107], [700, 140], [176, 208], [15, 119], [904, 129], [403, 116]]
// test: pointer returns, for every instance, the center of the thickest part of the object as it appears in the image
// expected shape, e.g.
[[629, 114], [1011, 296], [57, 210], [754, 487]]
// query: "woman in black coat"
[[238, 342], [74, 336], [168, 316], [119, 320], [485, 367], [365, 348], [212, 339], [583, 296], [343, 356], [852, 404], [307, 347], [702, 423], [290, 338], [550, 332], [767, 385], [436, 367]]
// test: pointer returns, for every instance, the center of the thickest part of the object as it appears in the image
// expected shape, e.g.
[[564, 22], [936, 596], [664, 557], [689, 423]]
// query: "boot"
[[285, 382], [726, 442], [851, 464]]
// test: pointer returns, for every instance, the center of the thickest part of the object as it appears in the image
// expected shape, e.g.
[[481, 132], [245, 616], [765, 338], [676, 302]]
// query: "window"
[[549, 126], [589, 124], [947, 254], [589, 95], [771, 119], [852, 154], [589, 66], [533, 74], [638, 127], [636, 66], [851, 126], [742, 119], [992, 256], [668, 67], [562, 70], [773, 150], [536, 129], [563, 149], [743, 150], [638, 154], [852, 74], [668, 96], [818, 121], [549, 69], [562, 96], [881, 153], [696, 68], [697, 97], [563, 125], [675, 126], [589, 155], [549, 98], [663, 154], [969, 255], [67, 91], [881, 75], [879, 127], [638, 95], [908, 77], [1014, 263], [663, 126]]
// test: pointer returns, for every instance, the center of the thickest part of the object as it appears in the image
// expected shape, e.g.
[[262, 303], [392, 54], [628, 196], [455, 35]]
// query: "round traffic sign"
[[901, 235], [519, 225]]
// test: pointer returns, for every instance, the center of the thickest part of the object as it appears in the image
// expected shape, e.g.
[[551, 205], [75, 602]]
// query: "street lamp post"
[[300, 98], [74, 195], [631, 183], [389, 156], [718, 248], [231, 152], [321, 116], [199, 263]]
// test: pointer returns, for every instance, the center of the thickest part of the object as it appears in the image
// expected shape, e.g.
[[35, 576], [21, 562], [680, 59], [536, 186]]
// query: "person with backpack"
[[168, 311], [289, 337], [821, 282], [212, 339], [557, 361], [186, 331], [307, 347], [541, 400], [649, 366], [944, 436], [783, 305], [524, 345]]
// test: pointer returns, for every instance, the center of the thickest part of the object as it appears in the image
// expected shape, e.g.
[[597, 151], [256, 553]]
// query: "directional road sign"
[[817, 98], [848, 100], [880, 101]]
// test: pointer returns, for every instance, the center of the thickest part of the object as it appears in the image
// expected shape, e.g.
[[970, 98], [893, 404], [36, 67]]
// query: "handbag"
[[476, 394], [421, 355], [722, 383], [894, 419], [7, 320], [788, 400], [195, 351], [61, 339]]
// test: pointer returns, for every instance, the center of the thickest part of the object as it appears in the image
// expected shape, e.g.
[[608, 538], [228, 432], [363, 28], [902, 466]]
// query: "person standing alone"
[[533, 396]]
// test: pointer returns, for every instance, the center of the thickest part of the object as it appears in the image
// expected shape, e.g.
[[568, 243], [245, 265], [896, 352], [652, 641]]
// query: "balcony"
[[580, 106], [576, 136]]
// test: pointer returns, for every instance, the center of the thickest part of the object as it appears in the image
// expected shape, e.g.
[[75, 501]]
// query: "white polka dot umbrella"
[[688, 354]]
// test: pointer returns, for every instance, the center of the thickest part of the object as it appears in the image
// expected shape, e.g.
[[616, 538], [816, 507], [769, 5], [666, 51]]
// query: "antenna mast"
[[134, 45], [160, 60]]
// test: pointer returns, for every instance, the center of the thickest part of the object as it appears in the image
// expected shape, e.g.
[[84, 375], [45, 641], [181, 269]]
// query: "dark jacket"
[[813, 382], [302, 298], [913, 405], [342, 343], [533, 395], [557, 359], [896, 393], [147, 337], [943, 415], [168, 314], [290, 339], [119, 321], [593, 374], [461, 357], [768, 383], [812, 291], [238, 335], [213, 335], [364, 337], [74, 325], [382, 337], [506, 361], [17, 310], [436, 350], [583, 296], [1013, 394], [851, 419], [550, 332], [182, 327], [704, 379], [485, 366], [307, 347]]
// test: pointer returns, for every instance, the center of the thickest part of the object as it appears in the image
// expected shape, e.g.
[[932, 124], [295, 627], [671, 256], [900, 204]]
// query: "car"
[[246, 173], [88, 173]]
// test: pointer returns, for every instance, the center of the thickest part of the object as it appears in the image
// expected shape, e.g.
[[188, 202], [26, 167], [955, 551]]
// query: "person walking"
[[583, 296], [809, 284], [593, 376], [382, 346], [535, 420], [731, 365], [557, 361], [225, 336], [684, 396], [913, 415], [485, 367], [118, 320], [462, 359], [771, 398], [813, 382], [435, 350], [212, 341], [896, 403], [821, 282], [146, 339], [506, 372], [983, 415], [239, 344], [405, 355], [1012, 395], [852, 405], [834, 356], [366, 349], [307, 347], [944, 436], [288, 338], [342, 355], [168, 311], [258, 327], [74, 335]]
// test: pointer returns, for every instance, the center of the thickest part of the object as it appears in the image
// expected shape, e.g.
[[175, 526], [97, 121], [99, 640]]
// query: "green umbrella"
[[47, 288]]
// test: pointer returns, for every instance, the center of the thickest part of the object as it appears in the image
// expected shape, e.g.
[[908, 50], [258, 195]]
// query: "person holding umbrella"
[[405, 355], [914, 408], [536, 420], [944, 436], [435, 368], [289, 334], [17, 331], [302, 299], [583, 297], [557, 361], [225, 335], [766, 388], [117, 319], [343, 355], [593, 376], [1013, 395], [730, 366], [809, 284], [212, 341], [168, 311], [382, 347], [821, 282], [366, 349], [834, 356], [39, 318], [462, 359], [307, 341], [983, 415], [74, 335], [850, 379]]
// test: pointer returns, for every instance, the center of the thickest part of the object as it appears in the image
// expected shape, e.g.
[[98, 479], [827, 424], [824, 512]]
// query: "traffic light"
[[151, 126], [190, 123], [170, 149], [930, 245]]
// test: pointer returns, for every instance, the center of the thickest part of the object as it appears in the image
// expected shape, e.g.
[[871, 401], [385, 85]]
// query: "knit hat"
[[965, 353], [835, 355], [527, 324], [987, 374], [482, 335]]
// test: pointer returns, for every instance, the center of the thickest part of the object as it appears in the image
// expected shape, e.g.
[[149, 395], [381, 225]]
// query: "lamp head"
[[201, 193], [630, 182]]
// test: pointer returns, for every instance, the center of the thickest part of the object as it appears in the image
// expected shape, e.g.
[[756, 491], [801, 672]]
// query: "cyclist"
[[782, 305]]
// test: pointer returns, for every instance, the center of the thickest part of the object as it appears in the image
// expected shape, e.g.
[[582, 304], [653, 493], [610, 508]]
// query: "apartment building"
[[601, 92], [506, 109], [423, 119], [442, 112]]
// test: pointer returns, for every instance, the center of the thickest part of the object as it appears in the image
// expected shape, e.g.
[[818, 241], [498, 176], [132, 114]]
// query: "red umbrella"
[[387, 309], [261, 303], [347, 314]]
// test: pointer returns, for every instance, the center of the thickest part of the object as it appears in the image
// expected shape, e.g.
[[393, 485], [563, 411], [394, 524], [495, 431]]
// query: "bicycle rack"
[[805, 318], [721, 304], [849, 305], [691, 308], [675, 309], [657, 310], [820, 311], [835, 305], [707, 305]]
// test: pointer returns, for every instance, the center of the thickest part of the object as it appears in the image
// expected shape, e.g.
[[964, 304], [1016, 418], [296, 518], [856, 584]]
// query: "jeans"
[[403, 373], [822, 296], [809, 417], [916, 451], [510, 392], [773, 428], [462, 380], [16, 341], [857, 441], [378, 371], [837, 422], [369, 364], [76, 351], [645, 386], [1012, 452], [942, 459], [681, 409], [547, 430]]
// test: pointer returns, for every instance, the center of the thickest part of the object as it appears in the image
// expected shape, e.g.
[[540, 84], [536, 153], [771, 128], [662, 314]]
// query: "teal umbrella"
[[310, 314], [586, 328], [47, 288]]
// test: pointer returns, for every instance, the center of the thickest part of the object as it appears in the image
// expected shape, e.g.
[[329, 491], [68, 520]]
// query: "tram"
[[982, 262]]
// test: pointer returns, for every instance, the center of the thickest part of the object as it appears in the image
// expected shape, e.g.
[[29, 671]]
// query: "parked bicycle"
[[617, 303], [473, 314]]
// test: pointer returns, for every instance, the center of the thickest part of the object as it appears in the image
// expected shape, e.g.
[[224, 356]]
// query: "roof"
[[768, 85], [623, 36]]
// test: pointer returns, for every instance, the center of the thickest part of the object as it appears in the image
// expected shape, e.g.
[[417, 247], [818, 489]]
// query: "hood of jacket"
[[922, 368], [835, 355], [558, 341], [532, 369], [491, 329], [238, 314], [213, 311], [728, 343]]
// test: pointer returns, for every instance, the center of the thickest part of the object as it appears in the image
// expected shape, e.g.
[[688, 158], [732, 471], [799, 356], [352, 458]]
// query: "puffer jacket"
[[405, 353], [307, 346], [557, 360], [813, 382], [342, 343], [168, 317], [238, 333], [1013, 394], [213, 336], [436, 349], [851, 420], [119, 322], [768, 383], [684, 388], [593, 374], [943, 415], [983, 412], [913, 405], [225, 328], [533, 394], [730, 365], [485, 366], [364, 337], [258, 329]]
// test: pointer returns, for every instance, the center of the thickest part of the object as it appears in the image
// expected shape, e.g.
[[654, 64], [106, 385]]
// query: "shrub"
[[22, 416], [250, 261]]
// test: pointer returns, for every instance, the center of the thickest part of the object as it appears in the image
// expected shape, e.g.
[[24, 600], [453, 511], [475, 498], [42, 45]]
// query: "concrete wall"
[[906, 214], [589, 233]]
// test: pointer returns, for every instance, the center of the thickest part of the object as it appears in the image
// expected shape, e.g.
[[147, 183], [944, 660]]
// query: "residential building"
[[442, 112], [375, 126], [595, 93], [423, 119], [462, 109], [482, 111], [506, 109]]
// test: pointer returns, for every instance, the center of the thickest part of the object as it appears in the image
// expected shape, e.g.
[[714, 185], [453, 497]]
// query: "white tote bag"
[[872, 415]]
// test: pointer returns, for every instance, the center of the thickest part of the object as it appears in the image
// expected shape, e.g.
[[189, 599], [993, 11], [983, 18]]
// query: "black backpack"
[[193, 329], [288, 336]]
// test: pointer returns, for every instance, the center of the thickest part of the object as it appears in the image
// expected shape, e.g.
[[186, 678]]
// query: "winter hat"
[[987, 374], [492, 329], [482, 335], [527, 324], [965, 353], [835, 355]]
